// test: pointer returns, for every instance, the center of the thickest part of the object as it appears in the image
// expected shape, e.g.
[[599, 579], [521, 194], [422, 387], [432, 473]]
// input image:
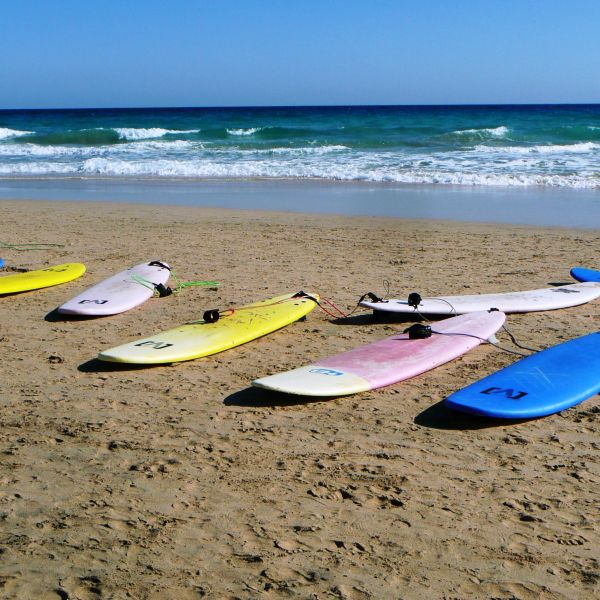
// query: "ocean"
[[501, 146]]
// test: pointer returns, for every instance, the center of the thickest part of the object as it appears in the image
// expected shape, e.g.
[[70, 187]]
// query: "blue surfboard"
[[538, 385], [582, 274], [1, 262]]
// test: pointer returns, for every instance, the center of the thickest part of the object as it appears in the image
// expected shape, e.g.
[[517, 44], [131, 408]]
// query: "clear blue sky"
[[115, 53]]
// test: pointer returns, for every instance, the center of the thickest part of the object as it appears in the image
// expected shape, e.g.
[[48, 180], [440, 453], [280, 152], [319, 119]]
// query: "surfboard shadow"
[[55, 317], [439, 416], [362, 319], [252, 397], [385, 317], [95, 365]]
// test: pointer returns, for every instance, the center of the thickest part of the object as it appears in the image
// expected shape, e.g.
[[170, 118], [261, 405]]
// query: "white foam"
[[581, 147], [6, 133], [136, 133], [250, 131], [180, 158], [41, 168], [355, 170], [496, 132], [35, 150], [318, 150]]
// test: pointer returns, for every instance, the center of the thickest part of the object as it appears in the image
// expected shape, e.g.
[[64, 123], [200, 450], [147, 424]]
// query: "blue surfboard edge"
[[583, 274], [538, 385]]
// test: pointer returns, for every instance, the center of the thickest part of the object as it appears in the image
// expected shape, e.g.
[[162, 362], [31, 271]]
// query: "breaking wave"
[[6, 133]]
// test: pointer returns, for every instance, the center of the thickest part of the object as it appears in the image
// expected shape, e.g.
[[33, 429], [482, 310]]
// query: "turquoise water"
[[506, 146]]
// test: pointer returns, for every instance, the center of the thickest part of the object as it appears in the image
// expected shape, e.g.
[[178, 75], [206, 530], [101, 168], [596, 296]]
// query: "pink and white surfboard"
[[388, 361]]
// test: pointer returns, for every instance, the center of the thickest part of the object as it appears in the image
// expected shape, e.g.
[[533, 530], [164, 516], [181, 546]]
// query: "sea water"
[[537, 165], [501, 146]]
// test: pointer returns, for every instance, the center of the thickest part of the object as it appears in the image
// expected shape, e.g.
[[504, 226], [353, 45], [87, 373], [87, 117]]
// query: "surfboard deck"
[[563, 296], [120, 292], [387, 361], [202, 338], [583, 274], [538, 385], [33, 280]]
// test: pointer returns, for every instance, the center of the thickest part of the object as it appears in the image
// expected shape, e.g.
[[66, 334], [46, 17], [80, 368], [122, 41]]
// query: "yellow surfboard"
[[33, 280], [202, 338]]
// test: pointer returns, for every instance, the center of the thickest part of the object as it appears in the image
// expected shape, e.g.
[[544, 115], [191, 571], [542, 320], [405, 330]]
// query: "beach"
[[181, 481]]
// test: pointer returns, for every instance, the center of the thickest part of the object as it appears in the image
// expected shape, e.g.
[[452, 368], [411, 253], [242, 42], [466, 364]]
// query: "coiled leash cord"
[[161, 289]]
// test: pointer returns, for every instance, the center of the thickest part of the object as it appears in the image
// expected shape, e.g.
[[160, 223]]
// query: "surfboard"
[[582, 274], [119, 293], [387, 361], [202, 338], [563, 296], [33, 280], [1, 262], [538, 385]]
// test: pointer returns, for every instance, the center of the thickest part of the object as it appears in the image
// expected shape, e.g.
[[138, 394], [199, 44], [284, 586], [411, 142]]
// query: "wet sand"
[[181, 481], [527, 205]]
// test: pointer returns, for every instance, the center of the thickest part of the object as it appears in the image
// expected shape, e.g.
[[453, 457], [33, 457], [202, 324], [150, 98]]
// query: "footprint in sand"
[[566, 540]]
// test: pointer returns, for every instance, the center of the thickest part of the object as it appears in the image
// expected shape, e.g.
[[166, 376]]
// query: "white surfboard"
[[119, 293], [563, 296]]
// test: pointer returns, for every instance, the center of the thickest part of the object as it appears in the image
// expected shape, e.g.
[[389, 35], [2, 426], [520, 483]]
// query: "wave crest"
[[148, 133], [481, 134], [6, 132], [580, 148], [250, 131]]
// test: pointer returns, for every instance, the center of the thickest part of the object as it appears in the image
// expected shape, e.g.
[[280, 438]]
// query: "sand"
[[182, 482]]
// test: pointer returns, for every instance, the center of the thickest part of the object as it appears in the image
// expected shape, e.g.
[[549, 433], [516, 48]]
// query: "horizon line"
[[296, 106]]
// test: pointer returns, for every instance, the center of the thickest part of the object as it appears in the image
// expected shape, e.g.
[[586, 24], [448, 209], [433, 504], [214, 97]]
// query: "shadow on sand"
[[55, 317], [257, 398], [439, 416], [101, 366], [384, 317]]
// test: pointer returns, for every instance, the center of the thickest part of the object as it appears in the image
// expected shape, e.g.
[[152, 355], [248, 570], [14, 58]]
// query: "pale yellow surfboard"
[[201, 338], [33, 280]]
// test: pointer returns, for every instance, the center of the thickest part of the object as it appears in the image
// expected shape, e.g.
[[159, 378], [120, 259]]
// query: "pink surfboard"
[[388, 361]]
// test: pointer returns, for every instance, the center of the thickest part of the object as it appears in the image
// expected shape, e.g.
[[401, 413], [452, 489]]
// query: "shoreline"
[[181, 481], [517, 206]]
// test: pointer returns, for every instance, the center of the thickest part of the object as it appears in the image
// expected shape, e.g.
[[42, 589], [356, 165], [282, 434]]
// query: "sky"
[[134, 53]]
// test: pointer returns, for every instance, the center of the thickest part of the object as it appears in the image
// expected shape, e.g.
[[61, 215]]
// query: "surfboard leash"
[[414, 299], [417, 300], [162, 290], [213, 315], [183, 284], [418, 331]]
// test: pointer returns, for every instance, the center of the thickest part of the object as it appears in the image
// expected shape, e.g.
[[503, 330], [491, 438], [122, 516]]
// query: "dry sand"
[[181, 482]]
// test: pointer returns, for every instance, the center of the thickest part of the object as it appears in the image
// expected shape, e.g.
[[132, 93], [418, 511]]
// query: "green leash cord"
[[162, 291], [23, 247]]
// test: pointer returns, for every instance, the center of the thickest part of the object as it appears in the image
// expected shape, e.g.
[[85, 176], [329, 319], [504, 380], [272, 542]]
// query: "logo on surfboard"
[[155, 345], [509, 393], [329, 372]]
